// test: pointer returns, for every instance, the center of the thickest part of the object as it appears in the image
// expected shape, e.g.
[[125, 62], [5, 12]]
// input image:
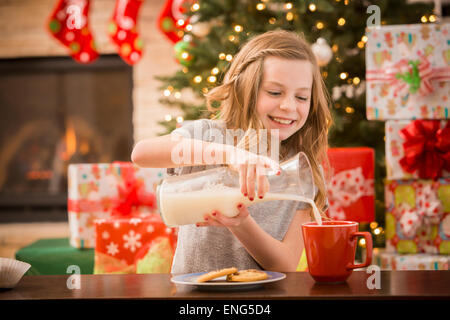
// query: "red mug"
[[331, 247]]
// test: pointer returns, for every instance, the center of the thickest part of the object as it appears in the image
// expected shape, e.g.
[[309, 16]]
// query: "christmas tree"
[[216, 29]]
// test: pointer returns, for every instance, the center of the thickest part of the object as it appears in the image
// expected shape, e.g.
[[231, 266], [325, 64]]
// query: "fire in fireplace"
[[54, 112]]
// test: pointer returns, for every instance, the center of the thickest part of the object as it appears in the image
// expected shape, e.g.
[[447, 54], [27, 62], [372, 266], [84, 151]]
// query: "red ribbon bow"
[[131, 194], [426, 148]]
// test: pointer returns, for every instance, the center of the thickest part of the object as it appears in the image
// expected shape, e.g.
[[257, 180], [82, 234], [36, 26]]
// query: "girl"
[[273, 83]]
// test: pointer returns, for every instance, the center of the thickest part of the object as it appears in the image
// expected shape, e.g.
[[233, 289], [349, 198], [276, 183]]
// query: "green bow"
[[412, 78]]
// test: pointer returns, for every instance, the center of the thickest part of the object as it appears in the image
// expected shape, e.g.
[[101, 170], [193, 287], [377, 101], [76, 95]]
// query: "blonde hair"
[[239, 91]]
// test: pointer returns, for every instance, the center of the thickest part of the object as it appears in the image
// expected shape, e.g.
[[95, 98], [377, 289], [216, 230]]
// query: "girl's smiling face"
[[284, 96]]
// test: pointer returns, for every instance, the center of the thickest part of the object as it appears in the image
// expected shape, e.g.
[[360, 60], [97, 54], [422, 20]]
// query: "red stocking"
[[69, 24], [169, 18], [123, 30]]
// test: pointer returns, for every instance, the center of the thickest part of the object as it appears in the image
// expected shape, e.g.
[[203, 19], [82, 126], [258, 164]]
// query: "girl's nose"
[[287, 104]]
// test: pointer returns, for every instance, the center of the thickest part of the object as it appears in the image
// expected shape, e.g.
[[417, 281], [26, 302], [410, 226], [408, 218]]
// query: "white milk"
[[191, 207]]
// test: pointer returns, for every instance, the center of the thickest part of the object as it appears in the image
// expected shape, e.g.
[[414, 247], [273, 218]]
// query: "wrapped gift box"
[[408, 72], [418, 216], [351, 187], [421, 261], [138, 244], [97, 190], [417, 149]]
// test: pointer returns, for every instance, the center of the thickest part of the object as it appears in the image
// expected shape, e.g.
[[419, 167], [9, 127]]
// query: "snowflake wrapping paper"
[[351, 187], [408, 72], [425, 150], [141, 244], [420, 261], [96, 190], [418, 216]]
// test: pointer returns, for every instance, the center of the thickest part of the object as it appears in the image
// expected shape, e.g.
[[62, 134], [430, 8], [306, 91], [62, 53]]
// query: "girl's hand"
[[219, 220], [253, 169]]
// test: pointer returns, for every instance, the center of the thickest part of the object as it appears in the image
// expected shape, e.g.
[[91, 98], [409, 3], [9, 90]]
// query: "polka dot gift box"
[[418, 216], [421, 261], [102, 190], [408, 72], [350, 189]]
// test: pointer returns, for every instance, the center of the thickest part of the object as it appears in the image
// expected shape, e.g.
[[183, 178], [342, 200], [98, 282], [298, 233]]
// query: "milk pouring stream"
[[186, 199]]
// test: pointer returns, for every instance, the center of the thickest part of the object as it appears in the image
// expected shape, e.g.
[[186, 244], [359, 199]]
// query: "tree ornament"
[[123, 30], [68, 23], [322, 51], [182, 54], [200, 29]]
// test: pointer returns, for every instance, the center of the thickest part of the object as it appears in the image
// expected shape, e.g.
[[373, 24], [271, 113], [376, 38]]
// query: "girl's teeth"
[[282, 121]]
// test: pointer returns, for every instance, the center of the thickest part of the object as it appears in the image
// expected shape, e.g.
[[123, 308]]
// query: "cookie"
[[247, 276], [215, 274]]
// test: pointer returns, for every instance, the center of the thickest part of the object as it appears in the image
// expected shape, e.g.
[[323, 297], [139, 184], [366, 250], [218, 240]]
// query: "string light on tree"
[[312, 7], [195, 7], [260, 6], [289, 16], [349, 109]]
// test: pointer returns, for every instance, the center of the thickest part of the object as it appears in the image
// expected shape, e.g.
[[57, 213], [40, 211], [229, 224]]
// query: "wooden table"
[[401, 295], [296, 286]]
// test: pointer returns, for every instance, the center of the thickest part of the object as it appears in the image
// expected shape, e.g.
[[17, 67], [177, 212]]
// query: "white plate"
[[221, 283]]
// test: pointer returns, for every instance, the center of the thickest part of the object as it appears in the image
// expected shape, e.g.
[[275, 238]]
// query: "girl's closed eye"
[[274, 93]]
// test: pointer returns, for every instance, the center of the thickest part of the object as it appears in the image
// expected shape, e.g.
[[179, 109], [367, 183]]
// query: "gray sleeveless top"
[[202, 249]]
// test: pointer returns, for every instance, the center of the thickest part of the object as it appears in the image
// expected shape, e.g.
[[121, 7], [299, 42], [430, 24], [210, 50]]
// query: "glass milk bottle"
[[187, 198]]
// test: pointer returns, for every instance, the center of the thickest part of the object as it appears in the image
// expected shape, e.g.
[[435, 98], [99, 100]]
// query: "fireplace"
[[54, 112]]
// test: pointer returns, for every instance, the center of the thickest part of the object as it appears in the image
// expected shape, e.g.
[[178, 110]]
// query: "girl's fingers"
[[260, 176], [251, 177], [263, 186], [208, 221], [243, 179], [222, 220], [272, 165]]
